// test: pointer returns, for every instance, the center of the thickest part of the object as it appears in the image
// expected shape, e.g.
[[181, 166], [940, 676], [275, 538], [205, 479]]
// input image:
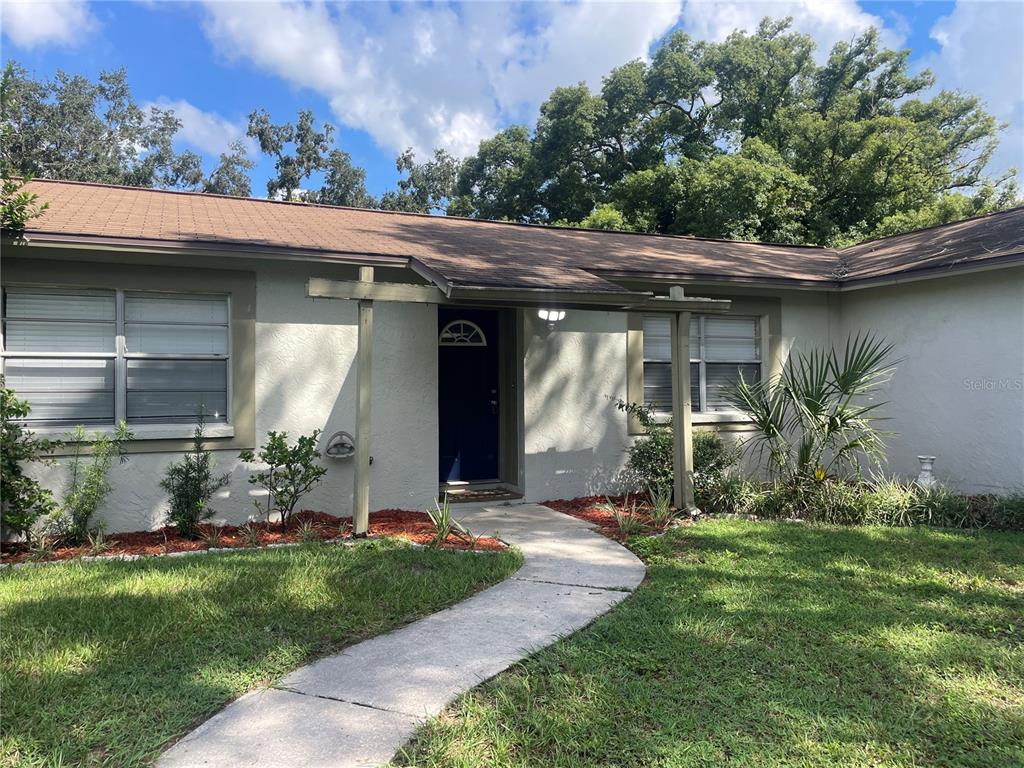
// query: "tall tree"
[[744, 138], [231, 176], [299, 150], [426, 187], [72, 128], [344, 183]]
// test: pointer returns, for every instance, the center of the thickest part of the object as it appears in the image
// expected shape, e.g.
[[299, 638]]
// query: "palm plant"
[[818, 418]]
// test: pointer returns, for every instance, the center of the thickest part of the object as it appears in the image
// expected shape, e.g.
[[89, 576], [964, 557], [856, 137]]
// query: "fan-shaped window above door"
[[462, 333]]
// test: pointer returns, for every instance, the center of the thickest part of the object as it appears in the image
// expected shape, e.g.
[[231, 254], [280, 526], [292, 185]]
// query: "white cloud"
[[28, 23], [206, 131], [982, 53], [827, 21], [436, 76]]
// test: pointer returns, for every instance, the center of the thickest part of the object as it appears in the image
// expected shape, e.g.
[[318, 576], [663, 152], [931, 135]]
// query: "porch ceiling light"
[[551, 316]]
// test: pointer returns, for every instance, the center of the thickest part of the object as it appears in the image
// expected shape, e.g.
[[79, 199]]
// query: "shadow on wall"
[[576, 439]]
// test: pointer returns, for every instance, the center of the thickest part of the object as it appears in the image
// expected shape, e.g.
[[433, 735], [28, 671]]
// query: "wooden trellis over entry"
[[366, 291]]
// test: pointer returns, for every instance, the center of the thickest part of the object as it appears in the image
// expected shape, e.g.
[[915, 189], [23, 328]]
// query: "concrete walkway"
[[359, 707]]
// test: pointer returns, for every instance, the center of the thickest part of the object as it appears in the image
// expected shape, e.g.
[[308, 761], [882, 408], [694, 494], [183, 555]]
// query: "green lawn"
[[761, 644], [103, 663]]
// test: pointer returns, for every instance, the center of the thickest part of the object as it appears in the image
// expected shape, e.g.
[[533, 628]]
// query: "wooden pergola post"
[[682, 418], [364, 386]]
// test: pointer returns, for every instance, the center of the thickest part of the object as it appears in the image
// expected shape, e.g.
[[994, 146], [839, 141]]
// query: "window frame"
[[702, 360], [699, 358], [121, 356]]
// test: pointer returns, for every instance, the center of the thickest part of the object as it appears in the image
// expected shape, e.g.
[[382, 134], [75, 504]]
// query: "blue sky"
[[391, 75]]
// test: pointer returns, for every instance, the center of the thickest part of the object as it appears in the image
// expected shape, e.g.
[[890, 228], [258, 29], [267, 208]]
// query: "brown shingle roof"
[[983, 238], [484, 253]]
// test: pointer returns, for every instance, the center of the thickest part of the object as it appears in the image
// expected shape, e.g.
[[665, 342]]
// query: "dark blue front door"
[[468, 394]]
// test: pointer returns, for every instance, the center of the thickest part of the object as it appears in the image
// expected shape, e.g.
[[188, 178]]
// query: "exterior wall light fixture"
[[551, 316]]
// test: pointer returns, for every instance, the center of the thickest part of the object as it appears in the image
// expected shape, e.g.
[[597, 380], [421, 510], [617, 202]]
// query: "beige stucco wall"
[[958, 392], [305, 380], [575, 438]]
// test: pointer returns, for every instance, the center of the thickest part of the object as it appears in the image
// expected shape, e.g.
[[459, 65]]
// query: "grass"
[[105, 663], [773, 644]]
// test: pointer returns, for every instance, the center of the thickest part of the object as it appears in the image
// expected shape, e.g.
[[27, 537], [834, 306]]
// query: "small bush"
[[650, 462], [627, 518], [23, 501], [191, 484], [212, 537], [1006, 513], [252, 536], [88, 485], [292, 471], [308, 533], [832, 501]]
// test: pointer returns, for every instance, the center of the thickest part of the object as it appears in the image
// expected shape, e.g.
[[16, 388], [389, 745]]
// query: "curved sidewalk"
[[359, 707]]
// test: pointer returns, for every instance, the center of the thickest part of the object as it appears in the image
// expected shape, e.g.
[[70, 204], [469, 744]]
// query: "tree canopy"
[[750, 138]]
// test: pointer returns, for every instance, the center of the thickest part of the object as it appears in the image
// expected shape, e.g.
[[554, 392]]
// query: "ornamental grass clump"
[[627, 516], [446, 525], [661, 511]]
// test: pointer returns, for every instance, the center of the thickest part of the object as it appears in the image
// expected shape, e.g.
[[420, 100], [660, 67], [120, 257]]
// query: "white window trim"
[[120, 356], [699, 416]]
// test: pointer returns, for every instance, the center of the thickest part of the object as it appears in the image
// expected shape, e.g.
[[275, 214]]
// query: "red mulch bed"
[[396, 523], [590, 508]]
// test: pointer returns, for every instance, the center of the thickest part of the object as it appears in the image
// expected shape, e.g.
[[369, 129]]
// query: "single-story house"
[[475, 356]]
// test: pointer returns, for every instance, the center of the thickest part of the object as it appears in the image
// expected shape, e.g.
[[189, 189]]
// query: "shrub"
[[23, 501], [88, 485], [191, 484], [832, 501], [212, 537], [712, 461], [1006, 513], [650, 462], [292, 471]]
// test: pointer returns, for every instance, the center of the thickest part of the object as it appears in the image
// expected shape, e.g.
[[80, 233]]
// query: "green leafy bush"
[[23, 501], [650, 462], [191, 484], [92, 459], [291, 472]]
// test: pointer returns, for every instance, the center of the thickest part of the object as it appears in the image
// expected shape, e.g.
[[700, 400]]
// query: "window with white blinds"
[[721, 348], [95, 357]]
